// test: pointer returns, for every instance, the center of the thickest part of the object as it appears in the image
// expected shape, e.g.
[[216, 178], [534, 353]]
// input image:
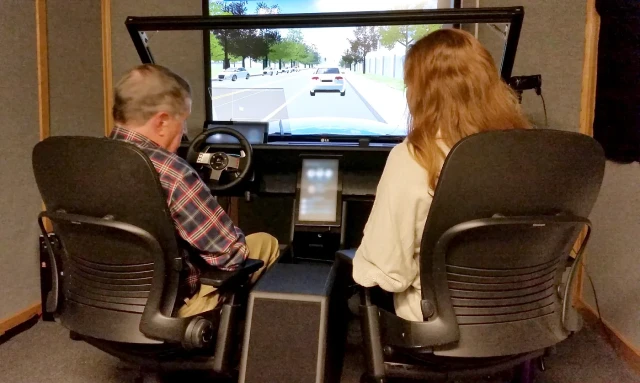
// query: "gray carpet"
[[45, 354]]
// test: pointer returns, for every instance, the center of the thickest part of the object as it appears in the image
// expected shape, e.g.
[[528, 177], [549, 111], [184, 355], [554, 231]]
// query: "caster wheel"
[[525, 373]]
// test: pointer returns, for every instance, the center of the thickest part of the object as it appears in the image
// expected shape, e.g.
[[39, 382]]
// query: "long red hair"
[[454, 90]]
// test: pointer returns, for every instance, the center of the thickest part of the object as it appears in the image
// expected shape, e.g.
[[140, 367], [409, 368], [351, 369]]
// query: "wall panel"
[[75, 67], [19, 270]]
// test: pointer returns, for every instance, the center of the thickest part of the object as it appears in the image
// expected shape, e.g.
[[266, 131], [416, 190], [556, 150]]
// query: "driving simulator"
[[297, 132]]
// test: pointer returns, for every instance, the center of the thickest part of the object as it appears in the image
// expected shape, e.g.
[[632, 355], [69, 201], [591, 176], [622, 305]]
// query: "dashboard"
[[278, 155]]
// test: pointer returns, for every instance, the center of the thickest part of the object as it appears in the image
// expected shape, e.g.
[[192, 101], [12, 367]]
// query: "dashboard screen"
[[318, 190], [254, 133]]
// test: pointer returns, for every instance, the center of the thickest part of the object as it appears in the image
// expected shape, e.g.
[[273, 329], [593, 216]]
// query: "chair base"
[[157, 376], [149, 377], [524, 368], [525, 372]]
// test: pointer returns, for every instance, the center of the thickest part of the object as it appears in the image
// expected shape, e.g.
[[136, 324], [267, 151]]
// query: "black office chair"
[[116, 282], [507, 211]]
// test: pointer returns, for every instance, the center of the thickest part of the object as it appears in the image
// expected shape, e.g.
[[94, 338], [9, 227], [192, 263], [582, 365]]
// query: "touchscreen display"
[[318, 190]]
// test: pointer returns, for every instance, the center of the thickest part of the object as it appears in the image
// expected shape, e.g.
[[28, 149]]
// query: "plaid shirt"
[[198, 218]]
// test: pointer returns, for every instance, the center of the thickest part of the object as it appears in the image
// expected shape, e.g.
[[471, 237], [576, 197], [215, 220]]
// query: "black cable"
[[544, 106], [600, 320]]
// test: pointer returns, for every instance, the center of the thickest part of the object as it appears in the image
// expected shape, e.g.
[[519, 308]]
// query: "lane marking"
[[285, 104], [372, 110], [249, 89]]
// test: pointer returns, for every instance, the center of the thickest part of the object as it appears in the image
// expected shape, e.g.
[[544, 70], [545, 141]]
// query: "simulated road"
[[286, 95]]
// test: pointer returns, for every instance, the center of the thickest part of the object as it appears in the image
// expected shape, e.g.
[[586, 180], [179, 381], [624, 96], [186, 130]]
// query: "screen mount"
[[137, 26]]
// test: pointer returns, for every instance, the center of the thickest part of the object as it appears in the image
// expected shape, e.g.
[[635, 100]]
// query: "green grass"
[[391, 82]]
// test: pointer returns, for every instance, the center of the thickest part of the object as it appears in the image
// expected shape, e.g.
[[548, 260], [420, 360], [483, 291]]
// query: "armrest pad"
[[346, 255], [219, 278]]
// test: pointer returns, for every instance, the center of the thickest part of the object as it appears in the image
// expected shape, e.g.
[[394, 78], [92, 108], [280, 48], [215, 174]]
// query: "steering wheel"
[[220, 164]]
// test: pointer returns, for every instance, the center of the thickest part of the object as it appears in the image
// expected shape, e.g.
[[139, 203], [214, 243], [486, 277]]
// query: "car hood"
[[332, 126]]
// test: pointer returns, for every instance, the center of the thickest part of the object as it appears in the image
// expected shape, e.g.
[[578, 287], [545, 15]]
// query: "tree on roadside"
[[217, 51], [268, 37], [348, 59], [238, 42], [247, 44], [405, 35], [295, 35], [310, 56], [281, 51], [263, 8], [365, 40]]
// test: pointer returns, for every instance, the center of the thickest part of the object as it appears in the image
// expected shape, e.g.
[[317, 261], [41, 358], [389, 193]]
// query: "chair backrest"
[[507, 210], [110, 212]]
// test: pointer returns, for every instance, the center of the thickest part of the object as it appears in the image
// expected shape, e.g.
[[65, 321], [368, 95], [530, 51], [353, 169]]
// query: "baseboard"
[[17, 319], [625, 349]]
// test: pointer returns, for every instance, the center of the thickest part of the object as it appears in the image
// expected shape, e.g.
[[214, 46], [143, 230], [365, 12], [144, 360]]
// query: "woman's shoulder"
[[403, 169], [401, 157]]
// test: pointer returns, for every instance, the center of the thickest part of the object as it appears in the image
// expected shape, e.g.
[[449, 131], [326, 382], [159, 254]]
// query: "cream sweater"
[[389, 253]]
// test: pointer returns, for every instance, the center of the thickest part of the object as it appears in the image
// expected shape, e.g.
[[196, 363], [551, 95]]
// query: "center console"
[[318, 209]]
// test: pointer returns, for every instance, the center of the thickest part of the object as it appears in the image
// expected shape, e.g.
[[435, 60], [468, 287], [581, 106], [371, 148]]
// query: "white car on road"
[[233, 74], [328, 79]]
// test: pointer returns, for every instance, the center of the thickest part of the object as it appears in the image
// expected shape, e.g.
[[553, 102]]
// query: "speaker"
[[288, 331], [617, 112]]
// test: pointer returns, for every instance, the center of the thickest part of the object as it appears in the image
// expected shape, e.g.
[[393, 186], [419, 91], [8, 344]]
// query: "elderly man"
[[150, 110]]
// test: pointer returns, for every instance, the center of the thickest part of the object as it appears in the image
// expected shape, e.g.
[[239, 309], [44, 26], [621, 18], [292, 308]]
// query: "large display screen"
[[318, 198], [342, 81], [311, 79]]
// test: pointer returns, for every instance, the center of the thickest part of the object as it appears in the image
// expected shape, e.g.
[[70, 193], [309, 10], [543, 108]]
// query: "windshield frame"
[[138, 26]]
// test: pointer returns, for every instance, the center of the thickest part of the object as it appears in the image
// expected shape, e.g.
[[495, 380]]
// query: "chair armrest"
[[346, 255], [220, 278]]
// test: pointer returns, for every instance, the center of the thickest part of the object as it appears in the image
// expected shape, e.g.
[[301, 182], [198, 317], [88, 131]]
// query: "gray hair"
[[146, 90]]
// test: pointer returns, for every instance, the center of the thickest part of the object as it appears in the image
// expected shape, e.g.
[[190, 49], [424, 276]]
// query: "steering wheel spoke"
[[204, 158], [233, 163], [215, 176]]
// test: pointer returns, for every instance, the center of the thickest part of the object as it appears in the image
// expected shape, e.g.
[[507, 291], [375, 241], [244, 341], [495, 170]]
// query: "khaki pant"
[[261, 246]]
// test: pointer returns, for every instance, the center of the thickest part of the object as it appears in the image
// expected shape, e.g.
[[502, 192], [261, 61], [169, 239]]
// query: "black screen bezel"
[[138, 26], [337, 222]]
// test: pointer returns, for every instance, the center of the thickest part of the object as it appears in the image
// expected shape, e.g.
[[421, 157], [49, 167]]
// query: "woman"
[[453, 90]]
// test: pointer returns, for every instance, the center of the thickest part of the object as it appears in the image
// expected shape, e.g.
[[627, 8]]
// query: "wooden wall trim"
[[589, 69], [42, 63], [107, 70], [33, 310], [588, 101], [43, 68]]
